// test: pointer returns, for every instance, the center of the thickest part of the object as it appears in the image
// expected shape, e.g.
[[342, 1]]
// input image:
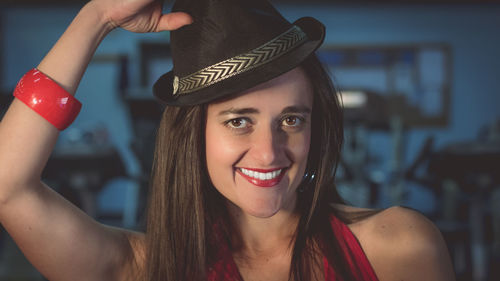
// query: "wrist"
[[98, 13]]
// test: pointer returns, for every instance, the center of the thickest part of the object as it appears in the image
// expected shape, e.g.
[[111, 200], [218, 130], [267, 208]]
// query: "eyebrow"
[[250, 110], [296, 109], [239, 111]]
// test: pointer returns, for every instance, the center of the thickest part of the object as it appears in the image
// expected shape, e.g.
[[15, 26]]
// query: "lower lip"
[[263, 183]]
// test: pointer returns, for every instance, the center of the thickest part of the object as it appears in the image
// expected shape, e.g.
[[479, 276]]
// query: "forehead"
[[290, 89]]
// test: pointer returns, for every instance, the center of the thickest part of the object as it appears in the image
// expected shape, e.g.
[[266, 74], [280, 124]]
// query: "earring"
[[306, 181]]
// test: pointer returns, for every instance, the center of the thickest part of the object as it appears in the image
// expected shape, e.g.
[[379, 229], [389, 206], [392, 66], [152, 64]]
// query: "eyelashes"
[[238, 123], [292, 121], [286, 123]]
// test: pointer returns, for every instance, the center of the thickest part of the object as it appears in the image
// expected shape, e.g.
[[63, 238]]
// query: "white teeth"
[[261, 176]]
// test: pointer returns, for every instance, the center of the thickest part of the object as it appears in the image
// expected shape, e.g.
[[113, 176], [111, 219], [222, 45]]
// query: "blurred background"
[[420, 82]]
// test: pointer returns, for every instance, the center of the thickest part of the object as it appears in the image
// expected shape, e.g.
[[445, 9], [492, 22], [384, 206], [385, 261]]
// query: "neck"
[[263, 236]]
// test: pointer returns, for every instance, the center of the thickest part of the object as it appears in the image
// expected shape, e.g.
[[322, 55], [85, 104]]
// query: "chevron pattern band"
[[241, 63]]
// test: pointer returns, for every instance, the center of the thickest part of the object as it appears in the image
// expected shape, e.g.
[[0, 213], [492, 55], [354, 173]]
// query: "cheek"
[[220, 149], [300, 148], [221, 154]]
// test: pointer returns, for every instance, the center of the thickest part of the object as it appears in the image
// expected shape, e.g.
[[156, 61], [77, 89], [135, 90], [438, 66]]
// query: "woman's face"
[[258, 142]]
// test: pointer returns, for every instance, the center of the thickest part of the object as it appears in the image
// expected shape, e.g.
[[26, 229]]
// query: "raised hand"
[[139, 15]]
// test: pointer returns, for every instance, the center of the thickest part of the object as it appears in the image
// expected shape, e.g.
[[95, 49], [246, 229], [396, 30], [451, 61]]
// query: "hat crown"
[[231, 46], [222, 29]]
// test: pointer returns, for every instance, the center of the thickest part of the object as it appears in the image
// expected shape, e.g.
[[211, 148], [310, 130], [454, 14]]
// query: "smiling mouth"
[[262, 178]]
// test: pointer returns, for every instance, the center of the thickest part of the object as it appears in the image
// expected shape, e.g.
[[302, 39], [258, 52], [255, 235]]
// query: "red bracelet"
[[47, 98]]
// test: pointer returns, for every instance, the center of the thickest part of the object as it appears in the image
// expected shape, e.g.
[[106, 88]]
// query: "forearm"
[[26, 139], [67, 60]]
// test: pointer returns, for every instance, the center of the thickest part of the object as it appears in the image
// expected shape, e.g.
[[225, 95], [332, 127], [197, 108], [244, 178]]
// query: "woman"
[[243, 182]]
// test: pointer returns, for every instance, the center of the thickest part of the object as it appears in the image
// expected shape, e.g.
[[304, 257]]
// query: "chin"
[[263, 214], [263, 210]]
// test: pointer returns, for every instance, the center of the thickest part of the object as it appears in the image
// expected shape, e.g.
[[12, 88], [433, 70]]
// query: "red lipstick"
[[254, 176]]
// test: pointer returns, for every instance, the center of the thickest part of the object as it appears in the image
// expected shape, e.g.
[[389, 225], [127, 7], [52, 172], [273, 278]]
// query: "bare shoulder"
[[134, 266], [137, 242], [402, 244]]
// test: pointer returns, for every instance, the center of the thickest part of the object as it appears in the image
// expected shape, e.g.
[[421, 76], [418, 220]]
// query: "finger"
[[173, 21]]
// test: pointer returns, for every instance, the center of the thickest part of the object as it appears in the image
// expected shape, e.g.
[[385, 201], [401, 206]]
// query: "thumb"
[[173, 21]]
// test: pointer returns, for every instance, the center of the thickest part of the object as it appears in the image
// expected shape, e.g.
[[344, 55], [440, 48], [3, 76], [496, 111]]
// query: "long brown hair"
[[184, 206]]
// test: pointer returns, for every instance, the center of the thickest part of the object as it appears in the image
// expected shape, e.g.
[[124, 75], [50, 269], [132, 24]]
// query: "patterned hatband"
[[241, 63]]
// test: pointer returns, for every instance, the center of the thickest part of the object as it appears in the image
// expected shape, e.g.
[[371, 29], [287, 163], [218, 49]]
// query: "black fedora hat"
[[231, 46]]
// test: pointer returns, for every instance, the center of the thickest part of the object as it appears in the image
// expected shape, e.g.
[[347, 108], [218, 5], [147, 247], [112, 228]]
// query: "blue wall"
[[472, 31]]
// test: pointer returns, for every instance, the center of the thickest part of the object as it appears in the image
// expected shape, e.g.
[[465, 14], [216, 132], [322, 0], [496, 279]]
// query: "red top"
[[350, 244], [225, 268]]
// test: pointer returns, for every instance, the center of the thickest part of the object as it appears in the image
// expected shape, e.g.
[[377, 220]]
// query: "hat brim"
[[315, 31]]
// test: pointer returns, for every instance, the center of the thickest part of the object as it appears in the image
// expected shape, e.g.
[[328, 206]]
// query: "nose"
[[268, 147]]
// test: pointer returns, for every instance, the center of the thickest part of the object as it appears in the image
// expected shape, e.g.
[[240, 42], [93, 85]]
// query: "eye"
[[292, 121], [237, 123]]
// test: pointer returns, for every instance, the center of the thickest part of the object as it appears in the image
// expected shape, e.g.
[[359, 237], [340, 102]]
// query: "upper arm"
[[61, 241], [407, 246]]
